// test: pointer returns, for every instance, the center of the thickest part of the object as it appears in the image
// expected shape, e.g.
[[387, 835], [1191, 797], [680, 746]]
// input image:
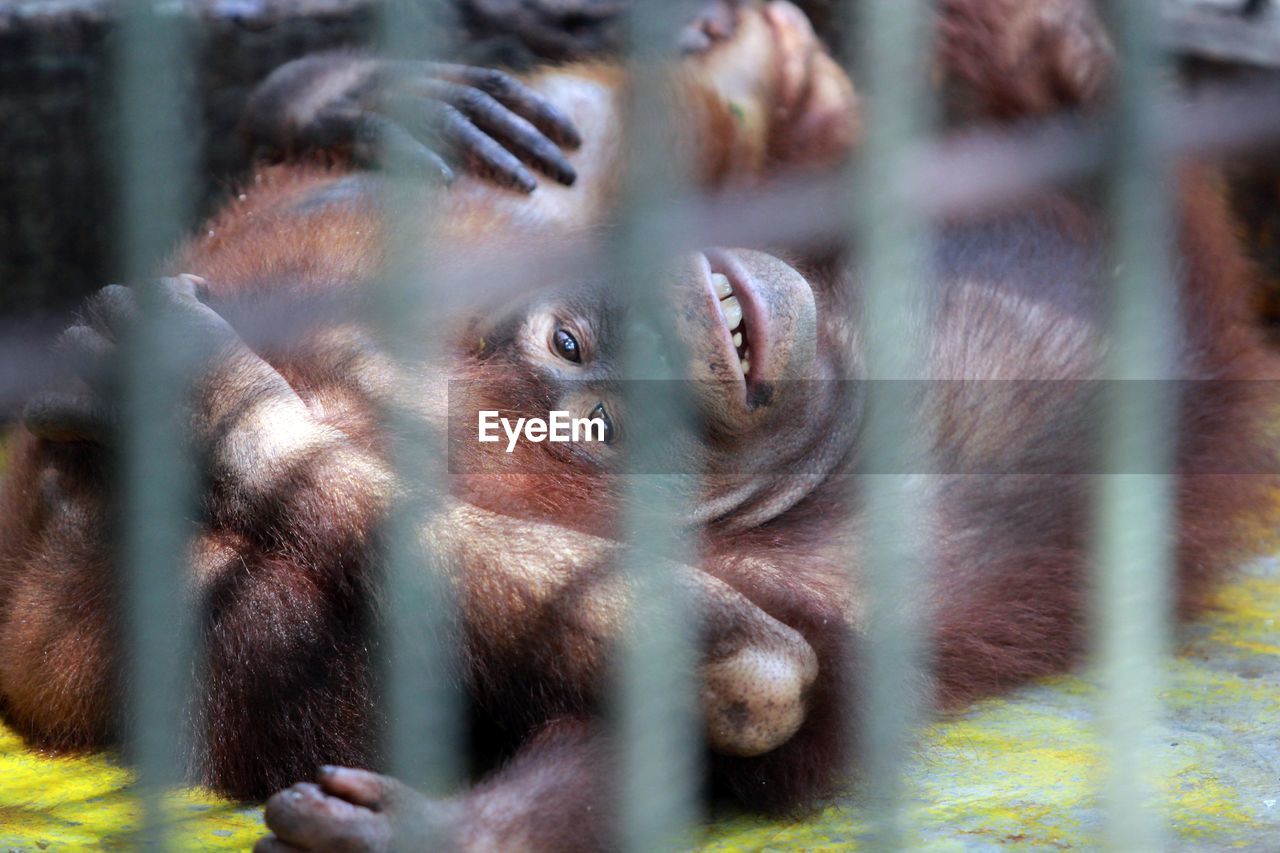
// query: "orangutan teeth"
[[721, 283], [732, 312]]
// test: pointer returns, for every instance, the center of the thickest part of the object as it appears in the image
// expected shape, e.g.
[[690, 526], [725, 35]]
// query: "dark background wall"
[[55, 124]]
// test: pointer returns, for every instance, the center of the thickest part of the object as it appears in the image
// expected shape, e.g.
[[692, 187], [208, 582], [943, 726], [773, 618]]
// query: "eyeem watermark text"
[[560, 427]]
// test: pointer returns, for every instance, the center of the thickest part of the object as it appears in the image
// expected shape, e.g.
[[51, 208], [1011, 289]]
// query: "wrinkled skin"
[[424, 117], [292, 451], [299, 480], [786, 416]]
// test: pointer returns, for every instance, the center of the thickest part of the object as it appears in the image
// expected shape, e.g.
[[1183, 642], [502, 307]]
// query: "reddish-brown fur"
[[1011, 588]]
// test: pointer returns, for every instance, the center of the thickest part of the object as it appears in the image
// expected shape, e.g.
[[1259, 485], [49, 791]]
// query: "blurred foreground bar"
[[154, 158], [1134, 513], [425, 737], [891, 250], [655, 709]]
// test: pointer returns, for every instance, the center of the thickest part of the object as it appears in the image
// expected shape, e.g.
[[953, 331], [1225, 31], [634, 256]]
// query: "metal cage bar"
[[155, 176], [425, 730], [1134, 503], [660, 744], [892, 258]]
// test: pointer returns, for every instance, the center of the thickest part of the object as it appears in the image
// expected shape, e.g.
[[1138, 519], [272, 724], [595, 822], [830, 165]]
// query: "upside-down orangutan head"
[[753, 337]]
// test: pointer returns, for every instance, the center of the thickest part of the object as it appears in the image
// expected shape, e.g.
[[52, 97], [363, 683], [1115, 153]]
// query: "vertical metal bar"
[[1134, 505], [424, 738], [155, 145], [892, 252], [660, 742]]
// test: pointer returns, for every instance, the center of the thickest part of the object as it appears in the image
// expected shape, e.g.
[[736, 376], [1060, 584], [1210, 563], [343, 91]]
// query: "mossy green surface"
[[1013, 773], [1020, 772], [1023, 772]]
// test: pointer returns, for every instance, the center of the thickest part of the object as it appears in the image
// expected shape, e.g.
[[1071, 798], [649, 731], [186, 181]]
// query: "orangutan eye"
[[567, 347], [599, 412]]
